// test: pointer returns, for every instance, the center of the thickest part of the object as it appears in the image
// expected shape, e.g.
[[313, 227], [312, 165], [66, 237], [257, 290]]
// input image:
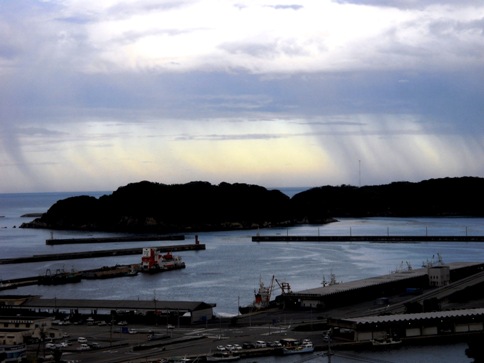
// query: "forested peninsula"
[[200, 206]]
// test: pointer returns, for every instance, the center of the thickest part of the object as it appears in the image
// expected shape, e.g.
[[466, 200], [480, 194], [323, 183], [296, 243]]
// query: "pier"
[[103, 253], [138, 238], [381, 239]]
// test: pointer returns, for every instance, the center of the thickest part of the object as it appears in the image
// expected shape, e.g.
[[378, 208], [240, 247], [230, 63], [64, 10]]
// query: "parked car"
[[260, 344], [49, 346], [84, 347], [61, 345], [248, 345], [275, 344], [220, 348], [82, 340]]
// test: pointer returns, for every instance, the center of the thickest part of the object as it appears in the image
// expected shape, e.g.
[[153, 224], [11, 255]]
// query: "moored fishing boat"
[[262, 298], [306, 347], [222, 357], [386, 342], [59, 277]]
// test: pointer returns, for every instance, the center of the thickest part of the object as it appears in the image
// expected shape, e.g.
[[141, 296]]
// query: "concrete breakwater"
[[103, 253], [382, 238], [64, 241]]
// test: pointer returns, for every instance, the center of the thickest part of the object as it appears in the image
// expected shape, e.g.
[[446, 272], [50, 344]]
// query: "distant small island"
[[148, 207], [31, 215]]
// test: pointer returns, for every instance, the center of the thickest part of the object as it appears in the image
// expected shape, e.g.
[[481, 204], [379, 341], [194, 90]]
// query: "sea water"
[[230, 268]]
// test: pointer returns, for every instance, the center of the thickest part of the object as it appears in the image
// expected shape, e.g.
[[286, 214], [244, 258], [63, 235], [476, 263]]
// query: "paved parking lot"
[[115, 346]]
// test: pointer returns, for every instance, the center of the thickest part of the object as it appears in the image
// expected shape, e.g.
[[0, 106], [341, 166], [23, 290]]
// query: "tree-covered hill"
[[154, 207], [434, 197], [200, 206]]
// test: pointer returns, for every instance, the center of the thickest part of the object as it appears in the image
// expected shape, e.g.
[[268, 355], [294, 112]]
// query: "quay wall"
[[386, 238], [350, 296], [346, 294], [103, 253], [64, 241]]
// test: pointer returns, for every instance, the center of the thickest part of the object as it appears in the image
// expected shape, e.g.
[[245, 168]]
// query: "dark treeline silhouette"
[[154, 207], [435, 197], [200, 206]]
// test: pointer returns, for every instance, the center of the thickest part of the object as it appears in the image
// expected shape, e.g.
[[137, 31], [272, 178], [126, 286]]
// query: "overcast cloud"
[[98, 94]]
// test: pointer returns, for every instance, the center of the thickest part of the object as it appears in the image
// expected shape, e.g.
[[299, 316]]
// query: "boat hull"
[[222, 358], [289, 351], [386, 344]]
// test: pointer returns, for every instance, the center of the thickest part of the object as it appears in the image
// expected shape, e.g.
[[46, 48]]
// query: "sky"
[[98, 94]]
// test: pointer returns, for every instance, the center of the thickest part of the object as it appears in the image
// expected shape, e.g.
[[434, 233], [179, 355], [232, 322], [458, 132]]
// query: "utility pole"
[[330, 353], [359, 173]]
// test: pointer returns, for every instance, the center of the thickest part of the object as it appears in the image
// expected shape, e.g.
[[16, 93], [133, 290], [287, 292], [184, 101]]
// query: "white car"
[[61, 345], [50, 346], [82, 340], [84, 347], [260, 344], [221, 348]]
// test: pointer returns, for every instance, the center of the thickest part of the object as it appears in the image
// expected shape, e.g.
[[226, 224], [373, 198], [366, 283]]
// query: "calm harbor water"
[[228, 271]]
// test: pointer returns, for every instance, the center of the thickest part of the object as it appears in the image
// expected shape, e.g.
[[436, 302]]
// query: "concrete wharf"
[[137, 238], [343, 294], [383, 238], [102, 253]]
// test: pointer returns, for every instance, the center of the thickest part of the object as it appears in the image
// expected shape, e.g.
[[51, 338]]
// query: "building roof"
[[23, 318], [399, 274], [416, 316], [36, 302], [14, 330]]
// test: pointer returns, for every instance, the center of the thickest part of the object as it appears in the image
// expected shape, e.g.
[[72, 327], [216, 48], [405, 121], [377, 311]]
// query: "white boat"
[[306, 347], [386, 342], [180, 360], [222, 357]]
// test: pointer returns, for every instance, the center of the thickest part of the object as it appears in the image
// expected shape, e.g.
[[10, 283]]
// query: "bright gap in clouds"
[[97, 94], [270, 152]]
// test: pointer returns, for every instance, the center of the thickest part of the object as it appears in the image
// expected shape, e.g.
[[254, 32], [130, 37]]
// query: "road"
[[117, 347]]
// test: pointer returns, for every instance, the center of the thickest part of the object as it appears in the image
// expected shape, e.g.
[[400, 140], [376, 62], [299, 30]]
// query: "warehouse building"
[[417, 325]]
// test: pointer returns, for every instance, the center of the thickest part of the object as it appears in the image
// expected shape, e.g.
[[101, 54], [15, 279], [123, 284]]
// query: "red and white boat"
[[153, 261]]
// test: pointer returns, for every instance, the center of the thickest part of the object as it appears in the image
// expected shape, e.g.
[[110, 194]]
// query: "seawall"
[[368, 238]]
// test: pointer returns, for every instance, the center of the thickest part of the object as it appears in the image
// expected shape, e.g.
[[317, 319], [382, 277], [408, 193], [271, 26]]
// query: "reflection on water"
[[423, 354]]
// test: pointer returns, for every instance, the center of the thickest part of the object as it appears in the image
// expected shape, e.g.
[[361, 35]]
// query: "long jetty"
[[381, 239], [142, 238], [102, 253]]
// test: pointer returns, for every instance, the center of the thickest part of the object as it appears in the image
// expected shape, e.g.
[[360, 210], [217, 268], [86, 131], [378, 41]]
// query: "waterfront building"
[[412, 326]]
